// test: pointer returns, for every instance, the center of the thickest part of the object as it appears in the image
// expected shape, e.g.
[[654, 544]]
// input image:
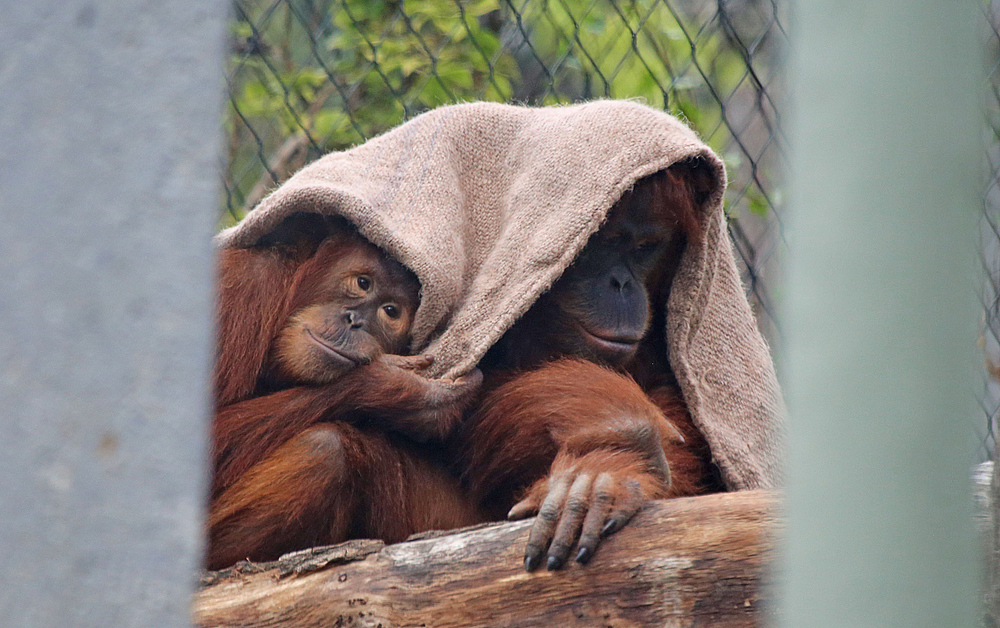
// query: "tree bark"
[[701, 561]]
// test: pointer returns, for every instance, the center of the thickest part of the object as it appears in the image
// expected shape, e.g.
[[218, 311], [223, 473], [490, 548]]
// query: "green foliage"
[[372, 63], [330, 74], [636, 49]]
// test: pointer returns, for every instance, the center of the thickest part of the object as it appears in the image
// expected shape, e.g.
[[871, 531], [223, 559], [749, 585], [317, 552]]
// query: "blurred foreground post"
[[108, 180], [880, 316]]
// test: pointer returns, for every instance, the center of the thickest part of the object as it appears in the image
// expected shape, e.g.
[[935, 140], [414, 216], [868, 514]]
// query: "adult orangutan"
[[582, 420]]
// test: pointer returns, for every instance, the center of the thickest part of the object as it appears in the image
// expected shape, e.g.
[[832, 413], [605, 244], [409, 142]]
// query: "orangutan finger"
[[524, 508], [406, 362], [469, 383], [573, 513], [545, 522], [625, 507], [600, 506]]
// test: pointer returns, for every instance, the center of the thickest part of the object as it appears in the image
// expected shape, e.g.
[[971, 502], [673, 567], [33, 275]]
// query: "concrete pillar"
[[109, 128], [881, 315]]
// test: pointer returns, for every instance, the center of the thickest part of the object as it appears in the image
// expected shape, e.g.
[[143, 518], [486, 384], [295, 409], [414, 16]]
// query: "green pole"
[[880, 316]]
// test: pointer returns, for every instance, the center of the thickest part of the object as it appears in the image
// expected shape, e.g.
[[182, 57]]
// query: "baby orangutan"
[[320, 424], [358, 310]]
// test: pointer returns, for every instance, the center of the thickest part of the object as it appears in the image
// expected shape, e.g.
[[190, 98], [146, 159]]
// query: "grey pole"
[[109, 153], [880, 316]]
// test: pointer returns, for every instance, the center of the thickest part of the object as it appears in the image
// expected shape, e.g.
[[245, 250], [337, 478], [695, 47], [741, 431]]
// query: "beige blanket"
[[489, 203]]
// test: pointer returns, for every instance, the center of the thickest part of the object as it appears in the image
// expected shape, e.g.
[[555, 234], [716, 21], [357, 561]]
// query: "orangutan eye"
[[392, 311], [364, 283]]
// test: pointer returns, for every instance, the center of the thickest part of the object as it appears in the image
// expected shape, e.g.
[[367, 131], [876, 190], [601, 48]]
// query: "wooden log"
[[699, 561]]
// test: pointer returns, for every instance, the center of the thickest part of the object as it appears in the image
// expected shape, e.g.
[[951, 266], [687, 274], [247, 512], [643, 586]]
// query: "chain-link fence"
[[989, 398], [310, 76]]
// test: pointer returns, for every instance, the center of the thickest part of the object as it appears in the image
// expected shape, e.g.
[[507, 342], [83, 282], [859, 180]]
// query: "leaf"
[[757, 206]]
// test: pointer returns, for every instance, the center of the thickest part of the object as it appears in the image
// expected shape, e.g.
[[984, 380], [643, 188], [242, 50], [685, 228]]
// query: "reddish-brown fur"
[[306, 452], [329, 483]]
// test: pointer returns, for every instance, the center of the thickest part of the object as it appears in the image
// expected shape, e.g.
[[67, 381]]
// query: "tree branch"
[[694, 561]]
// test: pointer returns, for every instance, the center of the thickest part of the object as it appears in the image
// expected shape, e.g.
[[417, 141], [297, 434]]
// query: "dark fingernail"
[[583, 556], [553, 563], [532, 560], [609, 527]]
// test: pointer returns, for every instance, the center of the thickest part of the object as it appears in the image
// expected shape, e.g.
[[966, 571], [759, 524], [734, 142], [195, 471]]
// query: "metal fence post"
[[108, 183], [880, 316]]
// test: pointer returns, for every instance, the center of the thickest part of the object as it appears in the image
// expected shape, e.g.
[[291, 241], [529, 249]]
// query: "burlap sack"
[[489, 203]]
